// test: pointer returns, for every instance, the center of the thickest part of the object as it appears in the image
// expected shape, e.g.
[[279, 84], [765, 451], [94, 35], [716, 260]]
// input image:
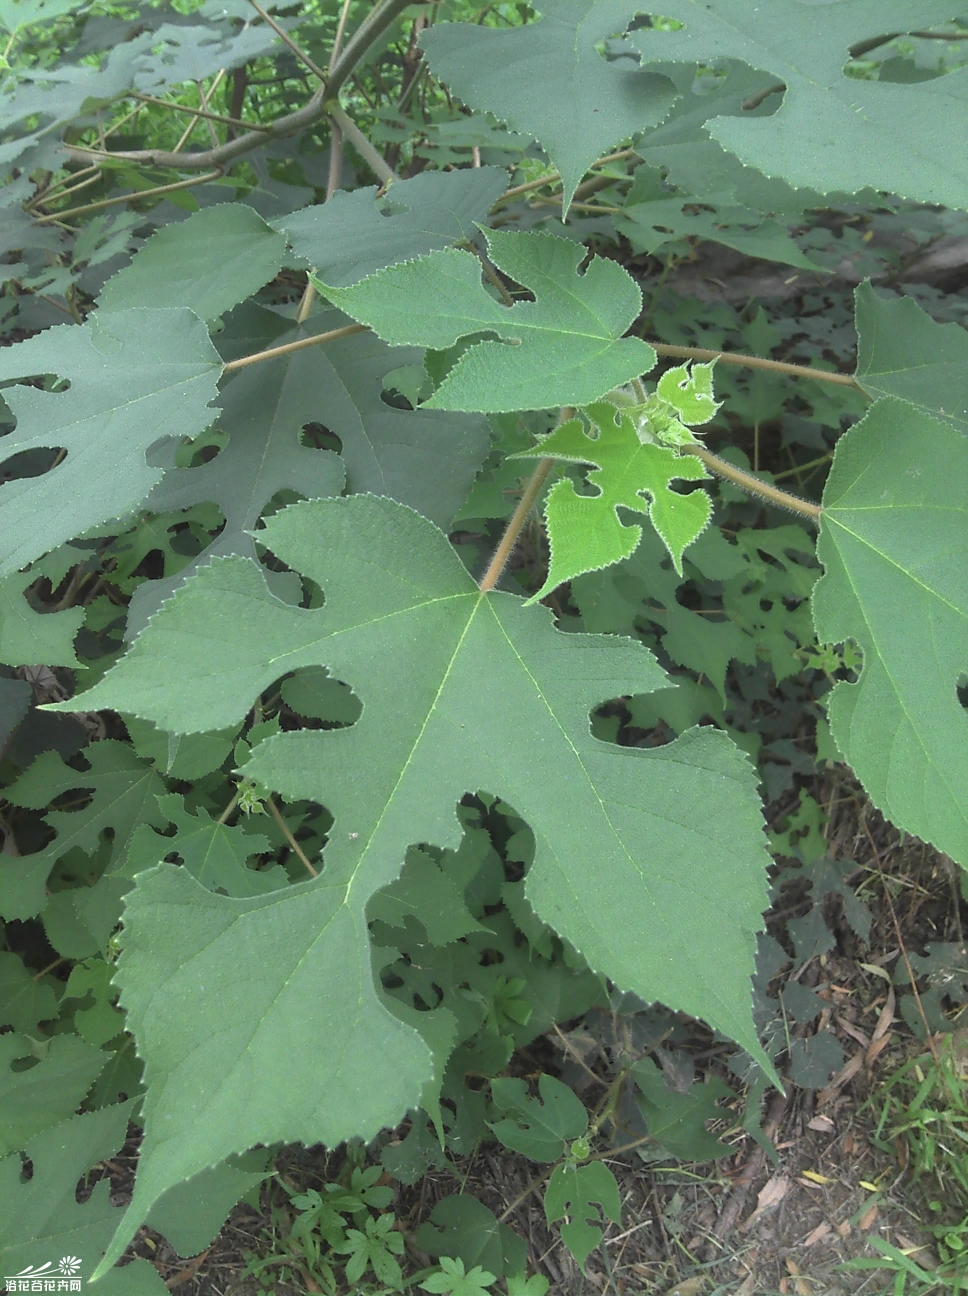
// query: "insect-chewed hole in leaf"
[[318, 701], [962, 689], [316, 436], [406, 387], [388, 207], [30, 463], [77, 798], [202, 450], [634, 722], [490, 957]]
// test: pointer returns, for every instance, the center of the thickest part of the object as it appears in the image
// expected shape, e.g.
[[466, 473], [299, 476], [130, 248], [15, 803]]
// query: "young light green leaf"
[[496, 698], [356, 233], [374, 1247], [576, 1194], [832, 131], [585, 532], [549, 79], [456, 1281], [208, 263], [564, 348], [894, 546], [520, 1285], [689, 390], [136, 377], [902, 351]]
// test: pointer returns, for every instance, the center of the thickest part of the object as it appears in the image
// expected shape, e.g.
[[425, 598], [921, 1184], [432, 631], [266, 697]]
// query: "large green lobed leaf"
[[831, 131], [356, 233], [136, 377], [656, 872], [894, 545], [549, 79], [564, 348], [902, 351], [208, 263]]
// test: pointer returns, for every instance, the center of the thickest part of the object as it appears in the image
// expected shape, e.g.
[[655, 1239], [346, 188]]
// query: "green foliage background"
[[309, 811]]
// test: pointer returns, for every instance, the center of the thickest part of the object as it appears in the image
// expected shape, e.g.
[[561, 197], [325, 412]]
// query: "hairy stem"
[[754, 362], [753, 485], [273, 353], [510, 538]]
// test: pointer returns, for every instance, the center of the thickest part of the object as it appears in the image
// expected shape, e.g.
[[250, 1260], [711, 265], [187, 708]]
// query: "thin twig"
[[900, 941], [46, 196], [273, 353], [200, 112], [283, 127], [288, 40], [335, 171], [340, 33], [189, 130], [204, 100], [287, 831], [754, 362], [369, 31], [310, 293], [753, 485], [132, 197], [306, 302], [554, 177], [797, 469], [69, 193], [555, 200], [291, 124], [489, 270]]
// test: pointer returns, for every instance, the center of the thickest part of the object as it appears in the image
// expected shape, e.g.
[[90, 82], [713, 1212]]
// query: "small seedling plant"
[[348, 474]]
